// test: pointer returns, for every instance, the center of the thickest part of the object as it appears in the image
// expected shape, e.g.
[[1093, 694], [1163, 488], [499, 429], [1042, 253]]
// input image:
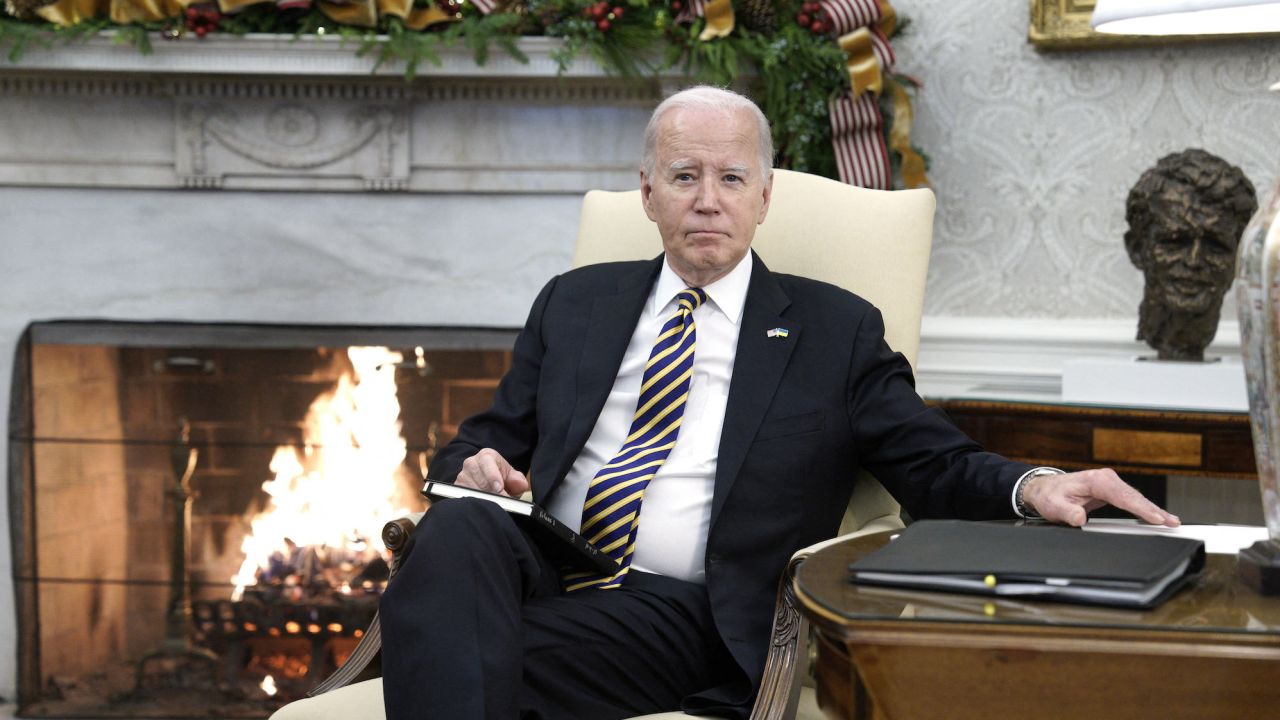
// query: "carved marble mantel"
[[268, 180], [271, 113]]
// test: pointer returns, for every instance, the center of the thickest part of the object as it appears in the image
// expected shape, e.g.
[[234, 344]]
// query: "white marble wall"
[[454, 211]]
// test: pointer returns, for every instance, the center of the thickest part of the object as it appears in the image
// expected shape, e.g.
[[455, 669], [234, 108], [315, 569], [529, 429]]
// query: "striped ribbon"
[[856, 123], [718, 14], [611, 512], [861, 155]]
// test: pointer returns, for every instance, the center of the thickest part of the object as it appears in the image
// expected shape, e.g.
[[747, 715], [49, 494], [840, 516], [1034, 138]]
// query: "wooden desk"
[[1212, 651], [1130, 440]]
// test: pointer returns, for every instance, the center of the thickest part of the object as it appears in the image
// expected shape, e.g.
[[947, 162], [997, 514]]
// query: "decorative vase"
[[1258, 302]]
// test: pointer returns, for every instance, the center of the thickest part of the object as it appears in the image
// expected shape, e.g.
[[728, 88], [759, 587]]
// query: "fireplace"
[[196, 508]]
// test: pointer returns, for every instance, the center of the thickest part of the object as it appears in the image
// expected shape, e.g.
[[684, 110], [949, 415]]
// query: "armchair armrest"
[[395, 535], [870, 510]]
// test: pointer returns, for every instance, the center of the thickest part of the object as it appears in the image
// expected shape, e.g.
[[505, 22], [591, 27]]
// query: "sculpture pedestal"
[[1140, 382], [1259, 567]]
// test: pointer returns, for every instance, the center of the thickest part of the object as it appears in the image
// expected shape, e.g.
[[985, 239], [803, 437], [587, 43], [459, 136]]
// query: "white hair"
[[708, 97]]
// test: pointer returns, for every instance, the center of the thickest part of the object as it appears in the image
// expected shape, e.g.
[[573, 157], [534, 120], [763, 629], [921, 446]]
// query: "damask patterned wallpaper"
[[1033, 153]]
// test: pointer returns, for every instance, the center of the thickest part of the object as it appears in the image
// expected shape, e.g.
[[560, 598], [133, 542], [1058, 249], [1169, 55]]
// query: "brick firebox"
[[96, 410]]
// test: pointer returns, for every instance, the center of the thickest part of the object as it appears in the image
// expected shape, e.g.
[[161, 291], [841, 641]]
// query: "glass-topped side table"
[[1211, 651]]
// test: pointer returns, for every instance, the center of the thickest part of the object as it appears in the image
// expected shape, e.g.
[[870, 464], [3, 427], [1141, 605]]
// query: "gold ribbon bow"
[[72, 12], [360, 13], [860, 62], [720, 20], [911, 167], [859, 53]]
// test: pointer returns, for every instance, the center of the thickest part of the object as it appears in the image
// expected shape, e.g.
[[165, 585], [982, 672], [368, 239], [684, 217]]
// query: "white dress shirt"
[[675, 513]]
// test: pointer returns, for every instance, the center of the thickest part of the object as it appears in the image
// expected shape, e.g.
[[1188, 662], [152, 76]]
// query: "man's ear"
[[768, 195], [646, 196]]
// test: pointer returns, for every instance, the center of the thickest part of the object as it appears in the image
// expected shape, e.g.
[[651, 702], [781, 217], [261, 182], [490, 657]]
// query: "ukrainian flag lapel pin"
[[777, 333]]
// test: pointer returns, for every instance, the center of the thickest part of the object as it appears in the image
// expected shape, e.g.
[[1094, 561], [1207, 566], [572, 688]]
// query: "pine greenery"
[[790, 71]]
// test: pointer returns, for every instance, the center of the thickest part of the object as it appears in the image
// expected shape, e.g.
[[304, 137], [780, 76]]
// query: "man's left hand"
[[1068, 498]]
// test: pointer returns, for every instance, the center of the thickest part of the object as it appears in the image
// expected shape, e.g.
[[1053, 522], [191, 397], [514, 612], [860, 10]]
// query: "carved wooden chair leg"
[[395, 535], [785, 665]]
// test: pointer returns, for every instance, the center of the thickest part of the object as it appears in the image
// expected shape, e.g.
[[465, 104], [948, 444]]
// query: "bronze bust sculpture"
[[1186, 215]]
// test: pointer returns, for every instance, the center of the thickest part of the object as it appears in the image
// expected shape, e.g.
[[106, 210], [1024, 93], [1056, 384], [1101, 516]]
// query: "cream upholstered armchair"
[[874, 243]]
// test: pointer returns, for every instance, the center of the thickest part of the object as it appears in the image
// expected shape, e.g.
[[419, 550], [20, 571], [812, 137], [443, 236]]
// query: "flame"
[[268, 685], [340, 490]]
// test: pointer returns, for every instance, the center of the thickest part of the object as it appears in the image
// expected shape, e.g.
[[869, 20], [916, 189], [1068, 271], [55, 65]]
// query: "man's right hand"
[[490, 472]]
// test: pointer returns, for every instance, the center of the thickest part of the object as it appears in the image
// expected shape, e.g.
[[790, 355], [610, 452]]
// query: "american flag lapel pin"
[[778, 333]]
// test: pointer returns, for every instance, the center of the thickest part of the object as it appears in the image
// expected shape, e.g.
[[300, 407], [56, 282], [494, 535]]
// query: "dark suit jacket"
[[804, 413]]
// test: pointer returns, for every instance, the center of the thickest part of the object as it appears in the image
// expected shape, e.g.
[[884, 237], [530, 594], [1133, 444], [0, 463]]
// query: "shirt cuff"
[[1033, 472]]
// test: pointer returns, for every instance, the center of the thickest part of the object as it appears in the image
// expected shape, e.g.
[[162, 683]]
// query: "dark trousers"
[[475, 626]]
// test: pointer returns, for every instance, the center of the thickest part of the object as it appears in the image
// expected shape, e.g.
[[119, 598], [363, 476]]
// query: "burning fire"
[[334, 497]]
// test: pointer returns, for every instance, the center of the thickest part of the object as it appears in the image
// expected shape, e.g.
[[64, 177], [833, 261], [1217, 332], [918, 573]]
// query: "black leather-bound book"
[[1049, 562], [558, 540]]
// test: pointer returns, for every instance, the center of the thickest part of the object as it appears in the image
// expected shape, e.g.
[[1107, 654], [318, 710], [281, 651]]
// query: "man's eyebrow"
[[681, 165]]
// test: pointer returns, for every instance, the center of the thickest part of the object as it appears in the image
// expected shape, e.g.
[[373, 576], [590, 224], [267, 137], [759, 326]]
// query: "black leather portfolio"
[[554, 537], [1049, 562]]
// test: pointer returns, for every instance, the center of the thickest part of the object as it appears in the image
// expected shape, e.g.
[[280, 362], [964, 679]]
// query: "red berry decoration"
[[603, 25], [617, 11], [676, 5], [813, 17], [203, 19]]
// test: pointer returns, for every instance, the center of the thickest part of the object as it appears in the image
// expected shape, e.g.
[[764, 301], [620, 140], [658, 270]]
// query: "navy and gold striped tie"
[[611, 512]]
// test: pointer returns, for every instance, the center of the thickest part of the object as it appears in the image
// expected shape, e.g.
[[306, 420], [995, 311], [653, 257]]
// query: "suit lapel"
[[611, 324], [757, 369]]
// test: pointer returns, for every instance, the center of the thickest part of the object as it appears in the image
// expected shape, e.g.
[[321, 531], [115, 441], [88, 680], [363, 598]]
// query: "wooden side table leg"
[[841, 694]]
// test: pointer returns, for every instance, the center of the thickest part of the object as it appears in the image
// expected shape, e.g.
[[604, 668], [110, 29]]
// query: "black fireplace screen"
[[195, 509]]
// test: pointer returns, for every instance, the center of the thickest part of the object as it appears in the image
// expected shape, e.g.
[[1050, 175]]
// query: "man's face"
[[1190, 253], [708, 192]]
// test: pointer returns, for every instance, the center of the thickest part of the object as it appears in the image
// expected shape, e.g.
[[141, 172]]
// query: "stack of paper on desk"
[[1221, 538], [1053, 563]]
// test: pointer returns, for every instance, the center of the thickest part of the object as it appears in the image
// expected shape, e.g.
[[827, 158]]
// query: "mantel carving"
[[307, 114], [346, 143]]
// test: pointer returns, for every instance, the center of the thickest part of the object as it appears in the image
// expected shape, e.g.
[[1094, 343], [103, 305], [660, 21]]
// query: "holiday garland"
[[823, 69]]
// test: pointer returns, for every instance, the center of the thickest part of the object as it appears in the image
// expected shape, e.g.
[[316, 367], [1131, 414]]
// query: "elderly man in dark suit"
[[738, 432]]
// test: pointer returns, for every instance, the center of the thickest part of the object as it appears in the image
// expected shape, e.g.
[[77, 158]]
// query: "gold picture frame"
[[1064, 25]]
